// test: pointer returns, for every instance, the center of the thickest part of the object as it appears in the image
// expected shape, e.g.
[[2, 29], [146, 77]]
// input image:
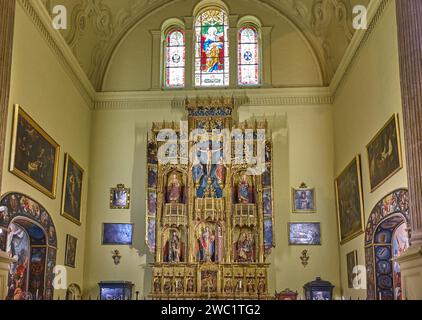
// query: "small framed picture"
[[303, 200], [72, 190], [352, 262], [305, 234], [70, 253], [120, 197], [117, 233]]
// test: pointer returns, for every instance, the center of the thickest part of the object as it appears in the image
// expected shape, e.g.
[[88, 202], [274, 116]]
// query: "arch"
[[74, 292], [389, 213], [20, 211], [249, 67], [207, 4]]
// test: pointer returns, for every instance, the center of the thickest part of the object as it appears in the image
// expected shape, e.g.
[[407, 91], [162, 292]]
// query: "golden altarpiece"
[[210, 208]]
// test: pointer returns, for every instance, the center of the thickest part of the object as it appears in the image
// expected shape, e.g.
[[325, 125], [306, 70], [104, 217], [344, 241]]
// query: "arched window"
[[249, 56], [175, 58], [212, 49]]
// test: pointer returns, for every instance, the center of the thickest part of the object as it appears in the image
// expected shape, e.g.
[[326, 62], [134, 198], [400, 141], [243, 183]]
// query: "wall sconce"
[[116, 256], [304, 258]]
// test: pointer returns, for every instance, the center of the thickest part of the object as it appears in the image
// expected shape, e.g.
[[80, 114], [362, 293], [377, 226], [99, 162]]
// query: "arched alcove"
[[29, 235], [389, 216]]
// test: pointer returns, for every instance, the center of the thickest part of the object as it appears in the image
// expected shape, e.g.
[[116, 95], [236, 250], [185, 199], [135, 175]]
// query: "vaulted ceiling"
[[97, 26]]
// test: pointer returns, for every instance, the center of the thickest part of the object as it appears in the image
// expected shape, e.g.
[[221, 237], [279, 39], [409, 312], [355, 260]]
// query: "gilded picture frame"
[[351, 262], [303, 207], [71, 207], [70, 252], [349, 201], [385, 153], [120, 197], [40, 169]]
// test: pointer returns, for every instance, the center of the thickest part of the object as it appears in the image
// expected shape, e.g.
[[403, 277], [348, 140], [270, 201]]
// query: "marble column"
[[409, 28], [7, 18]]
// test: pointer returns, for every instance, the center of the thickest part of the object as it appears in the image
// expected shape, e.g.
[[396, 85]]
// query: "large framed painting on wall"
[[72, 190], [117, 233], [350, 202], [305, 233], [384, 153], [34, 154]]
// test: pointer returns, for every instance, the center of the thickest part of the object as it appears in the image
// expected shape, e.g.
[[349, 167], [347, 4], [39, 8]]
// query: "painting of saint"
[[35, 155], [152, 177], [268, 234], [72, 190], [245, 247], [117, 233], [268, 202], [384, 153], [304, 234], [152, 203], [120, 197], [197, 171], [350, 202], [173, 249], [213, 48], [220, 172], [70, 253], [151, 235], [303, 200], [152, 153], [205, 247], [244, 190], [174, 189]]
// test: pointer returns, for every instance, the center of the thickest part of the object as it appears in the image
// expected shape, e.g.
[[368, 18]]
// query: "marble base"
[[5, 261], [411, 273]]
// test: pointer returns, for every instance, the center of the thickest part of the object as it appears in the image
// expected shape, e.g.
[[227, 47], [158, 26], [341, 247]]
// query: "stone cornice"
[[151, 99]]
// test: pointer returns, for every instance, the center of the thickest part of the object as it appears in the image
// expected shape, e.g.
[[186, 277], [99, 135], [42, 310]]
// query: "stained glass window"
[[248, 56], [212, 49], [175, 59]]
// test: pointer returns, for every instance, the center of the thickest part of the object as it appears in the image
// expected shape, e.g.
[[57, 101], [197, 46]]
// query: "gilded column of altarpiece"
[[209, 204]]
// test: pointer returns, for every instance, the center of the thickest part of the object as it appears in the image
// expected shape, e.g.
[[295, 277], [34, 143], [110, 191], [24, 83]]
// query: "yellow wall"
[[368, 97], [42, 87], [303, 152]]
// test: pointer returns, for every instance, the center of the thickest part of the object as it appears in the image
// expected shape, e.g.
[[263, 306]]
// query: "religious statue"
[[197, 171], [190, 287], [206, 246], [220, 172], [245, 248], [172, 250], [228, 288], [167, 286], [250, 287], [243, 192], [261, 286], [174, 189], [157, 285], [178, 285]]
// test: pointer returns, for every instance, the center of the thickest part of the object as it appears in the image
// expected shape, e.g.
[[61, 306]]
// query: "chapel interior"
[[210, 149]]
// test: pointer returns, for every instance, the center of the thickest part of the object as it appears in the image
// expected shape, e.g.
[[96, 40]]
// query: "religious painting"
[[120, 197], [152, 203], [305, 234], [211, 58], [384, 153], [266, 177], [37, 272], [175, 188], [268, 235], [244, 247], [70, 253], [268, 202], [151, 234], [303, 200], [244, 188], [152, 177], [352, 262], [350, 202], [174, 246], [209, 281], [72, 190], [3, 237], [117, 233], [152, 153], [34, 154], [209, 242]]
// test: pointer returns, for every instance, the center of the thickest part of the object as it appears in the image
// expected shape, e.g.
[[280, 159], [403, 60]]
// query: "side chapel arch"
[[31, 277]]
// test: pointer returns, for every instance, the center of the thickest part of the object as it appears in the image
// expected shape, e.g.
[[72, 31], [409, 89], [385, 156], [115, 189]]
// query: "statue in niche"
[[245, 247], [157, 285], [167, 286], [228, 287], [178, 286], [197, 171], [244, 190], [250, 287], [174, 189], [190, 287], [206, 245], [173, 248], [220, 172], [261, 286]]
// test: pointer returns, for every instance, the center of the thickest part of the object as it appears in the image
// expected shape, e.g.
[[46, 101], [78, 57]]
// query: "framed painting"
[[308, 233], [120, 197], [117, 233], [350, 202], [72, 190], [70, 253], [352, 262], [303, 200], [34, 154], [384, 153]]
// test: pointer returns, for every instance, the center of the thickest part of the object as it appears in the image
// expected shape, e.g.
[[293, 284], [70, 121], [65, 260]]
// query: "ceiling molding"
[[37, 12]]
